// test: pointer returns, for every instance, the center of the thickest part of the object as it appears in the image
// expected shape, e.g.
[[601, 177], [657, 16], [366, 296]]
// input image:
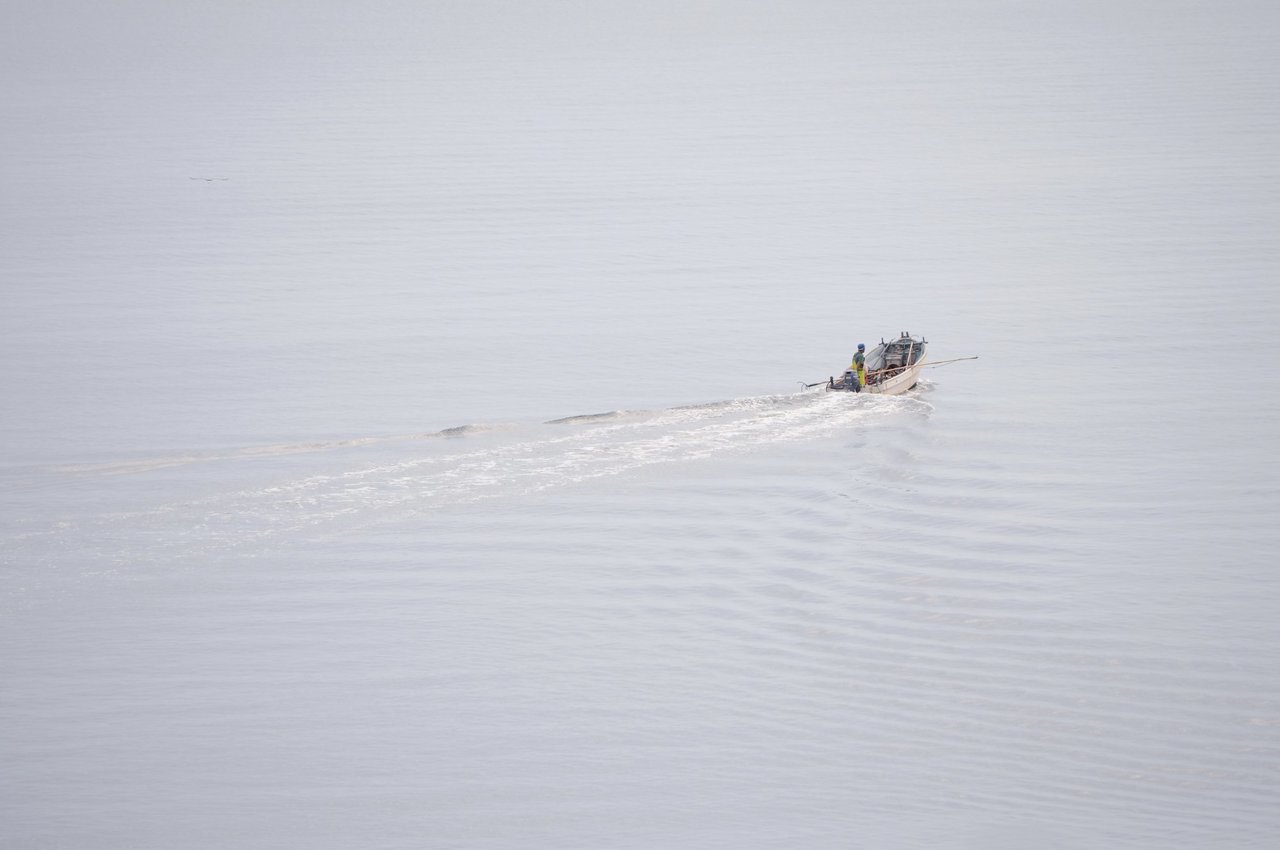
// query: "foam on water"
[[149, 464], [515, 462]]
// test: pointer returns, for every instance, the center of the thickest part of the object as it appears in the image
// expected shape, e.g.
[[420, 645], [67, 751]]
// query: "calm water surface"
[[403, 443]]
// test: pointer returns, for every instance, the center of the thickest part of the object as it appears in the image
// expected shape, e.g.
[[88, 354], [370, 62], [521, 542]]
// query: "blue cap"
[[862, 346]]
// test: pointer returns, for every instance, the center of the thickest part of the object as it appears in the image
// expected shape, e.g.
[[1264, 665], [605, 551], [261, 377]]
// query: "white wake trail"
[[428, 477]]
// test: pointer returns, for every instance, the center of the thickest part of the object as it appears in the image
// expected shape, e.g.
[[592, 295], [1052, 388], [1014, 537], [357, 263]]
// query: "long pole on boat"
[[952, 360], [890, 368]]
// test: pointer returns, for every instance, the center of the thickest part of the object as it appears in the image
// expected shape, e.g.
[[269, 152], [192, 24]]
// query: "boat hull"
[[896, 384]]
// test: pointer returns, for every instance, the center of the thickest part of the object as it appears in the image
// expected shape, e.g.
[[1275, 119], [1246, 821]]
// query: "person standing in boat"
[[859, 366]]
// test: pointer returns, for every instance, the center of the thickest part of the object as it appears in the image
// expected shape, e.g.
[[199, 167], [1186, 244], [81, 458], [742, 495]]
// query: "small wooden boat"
[[892, 367]]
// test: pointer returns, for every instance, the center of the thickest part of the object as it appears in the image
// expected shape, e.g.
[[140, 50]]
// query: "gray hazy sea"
[[403, 446]]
